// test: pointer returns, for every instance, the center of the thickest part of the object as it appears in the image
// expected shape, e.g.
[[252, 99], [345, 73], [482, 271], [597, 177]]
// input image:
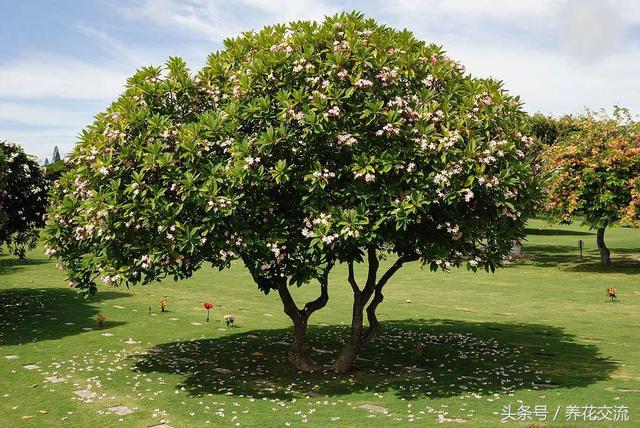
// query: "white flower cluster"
[[388, 129], [369, 177], [218, 203], [342, 74], [363, 83], [428, 81], [325, 174], [346, 139], [493, 181], [251, 162], [340, 45], [333, 112], [451, 139], [282, 47]]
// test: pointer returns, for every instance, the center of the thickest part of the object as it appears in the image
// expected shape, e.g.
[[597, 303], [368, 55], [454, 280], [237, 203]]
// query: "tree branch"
[[322, 300], [374, 325], [352, 279], [372, 259], [290, 307]]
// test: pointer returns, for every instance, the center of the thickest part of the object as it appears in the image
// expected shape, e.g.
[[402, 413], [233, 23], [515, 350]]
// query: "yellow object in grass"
[[101, 319]]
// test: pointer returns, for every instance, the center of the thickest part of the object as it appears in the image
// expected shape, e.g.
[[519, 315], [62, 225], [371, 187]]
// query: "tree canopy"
[[594, 173], [23, 199], [296, 147]]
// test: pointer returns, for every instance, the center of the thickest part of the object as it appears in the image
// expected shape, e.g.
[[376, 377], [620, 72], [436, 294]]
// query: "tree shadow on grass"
[[567, 258], [623, 265], [37, 314], [9, 263], [556, 232], [459, 358], [541, 255]]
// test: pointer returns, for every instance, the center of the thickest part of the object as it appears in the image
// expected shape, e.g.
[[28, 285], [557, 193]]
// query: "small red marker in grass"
[[208, 306]]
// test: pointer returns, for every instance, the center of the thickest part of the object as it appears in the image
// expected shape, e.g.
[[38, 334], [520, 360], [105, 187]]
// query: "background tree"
[[54, 171], [593, 173], [55, 157], [23, 199], [548, 129], [294, 148]]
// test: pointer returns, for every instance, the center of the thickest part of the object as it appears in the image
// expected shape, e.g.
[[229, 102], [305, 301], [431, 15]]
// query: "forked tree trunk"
[[358, 337], [605, 254], [297, 352]]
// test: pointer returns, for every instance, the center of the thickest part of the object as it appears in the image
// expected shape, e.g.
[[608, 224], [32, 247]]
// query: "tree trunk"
[[358, 338], [605, 254], [347, 357], [297, 352]]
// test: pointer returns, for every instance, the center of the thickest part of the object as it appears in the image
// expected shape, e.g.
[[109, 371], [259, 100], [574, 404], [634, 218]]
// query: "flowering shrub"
[[295, 147], [594, 173], [23, 199]]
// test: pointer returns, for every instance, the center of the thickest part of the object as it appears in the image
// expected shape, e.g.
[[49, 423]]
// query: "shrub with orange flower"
[[593, 173]]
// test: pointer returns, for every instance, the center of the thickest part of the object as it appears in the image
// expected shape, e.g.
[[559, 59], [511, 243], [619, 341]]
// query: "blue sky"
[[61, 62]]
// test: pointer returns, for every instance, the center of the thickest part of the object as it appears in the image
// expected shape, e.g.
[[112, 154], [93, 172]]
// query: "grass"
[[539, 332]]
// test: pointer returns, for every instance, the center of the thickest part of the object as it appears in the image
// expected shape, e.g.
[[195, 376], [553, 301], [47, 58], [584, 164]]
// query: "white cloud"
[[31, 114], [42, 75], [287, 10], [41, 141], [590, 28], [586, 30], [217, 20], [195, 16], [554, 83], [471, 8]]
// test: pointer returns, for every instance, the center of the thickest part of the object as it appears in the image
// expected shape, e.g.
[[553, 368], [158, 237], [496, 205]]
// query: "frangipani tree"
[[594, 174], [294, 148], [23, 199]]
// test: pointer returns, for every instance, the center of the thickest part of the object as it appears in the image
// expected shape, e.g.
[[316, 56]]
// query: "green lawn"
[[539, 332]]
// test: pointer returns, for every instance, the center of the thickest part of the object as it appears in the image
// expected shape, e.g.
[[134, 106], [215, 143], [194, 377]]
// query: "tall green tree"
[[297, 147]]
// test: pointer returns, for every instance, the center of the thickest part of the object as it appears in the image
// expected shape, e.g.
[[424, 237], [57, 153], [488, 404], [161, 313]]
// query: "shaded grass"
[[412, 359], [35, 314]]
